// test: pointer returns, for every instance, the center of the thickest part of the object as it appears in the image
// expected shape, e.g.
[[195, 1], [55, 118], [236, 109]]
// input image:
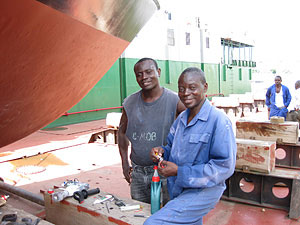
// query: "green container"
[[155, 192]]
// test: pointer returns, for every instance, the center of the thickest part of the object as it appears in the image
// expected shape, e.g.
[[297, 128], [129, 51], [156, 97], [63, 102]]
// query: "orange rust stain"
[[116, 221], [251, 155], [85, 210], [5, 154], [41, 214], [64, 202], [254, 158], [261, 129], [40, 160]]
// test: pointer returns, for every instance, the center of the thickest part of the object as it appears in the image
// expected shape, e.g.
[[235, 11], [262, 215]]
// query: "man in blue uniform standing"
[[199, 157], [278, 98]]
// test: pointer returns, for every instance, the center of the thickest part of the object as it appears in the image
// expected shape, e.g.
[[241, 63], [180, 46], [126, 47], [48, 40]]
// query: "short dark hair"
[[197, 71], [279, 77], [145, 59]]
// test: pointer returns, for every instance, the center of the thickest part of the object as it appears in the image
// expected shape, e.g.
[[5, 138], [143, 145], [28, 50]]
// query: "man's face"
[[191, 91], [147, 75], [277, 81]]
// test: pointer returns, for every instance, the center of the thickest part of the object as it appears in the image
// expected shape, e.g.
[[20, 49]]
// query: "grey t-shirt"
[[149, 123]]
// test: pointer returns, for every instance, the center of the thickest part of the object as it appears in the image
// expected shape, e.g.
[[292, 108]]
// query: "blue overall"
[[205, 152], [270, 101]]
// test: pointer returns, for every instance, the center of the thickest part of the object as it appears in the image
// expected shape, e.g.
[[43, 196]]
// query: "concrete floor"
[[49, 157]]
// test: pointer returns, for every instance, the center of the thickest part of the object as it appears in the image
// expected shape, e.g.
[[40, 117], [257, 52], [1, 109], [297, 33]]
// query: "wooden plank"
[[255, 155], [286, 132], [278, 172], [8, 209], [294, 212], [69, 211]]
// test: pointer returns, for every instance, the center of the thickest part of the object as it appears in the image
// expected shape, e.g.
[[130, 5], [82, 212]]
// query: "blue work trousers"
[[188, 208], [275, 111]]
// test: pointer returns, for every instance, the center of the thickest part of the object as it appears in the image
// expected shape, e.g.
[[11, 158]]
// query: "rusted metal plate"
[[50, 61]]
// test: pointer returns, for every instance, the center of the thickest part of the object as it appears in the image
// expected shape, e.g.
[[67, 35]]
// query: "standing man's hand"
[[155, 152], [127, 172], [167, 169]]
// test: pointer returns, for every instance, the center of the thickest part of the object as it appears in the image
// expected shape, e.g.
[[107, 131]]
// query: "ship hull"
[[49, 61]]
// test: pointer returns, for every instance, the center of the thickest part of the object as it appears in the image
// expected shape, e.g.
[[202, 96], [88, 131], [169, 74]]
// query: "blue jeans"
[[140, 187]]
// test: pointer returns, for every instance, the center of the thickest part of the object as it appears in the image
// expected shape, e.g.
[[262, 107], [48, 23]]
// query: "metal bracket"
[[245, 168], [262, 194], [292, 156]]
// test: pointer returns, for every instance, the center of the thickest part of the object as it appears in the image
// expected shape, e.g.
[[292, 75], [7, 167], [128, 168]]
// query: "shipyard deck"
[[66, 154]]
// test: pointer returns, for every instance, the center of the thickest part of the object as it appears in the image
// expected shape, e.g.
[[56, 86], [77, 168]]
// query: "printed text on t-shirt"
[[144, 136]]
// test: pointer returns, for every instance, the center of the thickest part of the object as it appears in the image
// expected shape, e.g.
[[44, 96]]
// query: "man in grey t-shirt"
[[146, 120]]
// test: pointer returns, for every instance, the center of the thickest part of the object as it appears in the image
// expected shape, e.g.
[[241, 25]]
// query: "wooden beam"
[[286, 132]]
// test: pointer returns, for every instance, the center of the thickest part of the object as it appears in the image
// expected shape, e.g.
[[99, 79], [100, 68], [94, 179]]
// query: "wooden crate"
[[286, 132], [255, 155]]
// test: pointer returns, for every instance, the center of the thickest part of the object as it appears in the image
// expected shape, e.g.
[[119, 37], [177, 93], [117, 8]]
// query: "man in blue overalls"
[[278, 98], [199, 157]]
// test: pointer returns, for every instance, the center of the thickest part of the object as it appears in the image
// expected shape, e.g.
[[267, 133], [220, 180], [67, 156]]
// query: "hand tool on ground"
[[68, 188], [103, 199], [140, 216], [106, 207], [81, 195], [9, 217], [118, 202], [130, 207], [28, 221]]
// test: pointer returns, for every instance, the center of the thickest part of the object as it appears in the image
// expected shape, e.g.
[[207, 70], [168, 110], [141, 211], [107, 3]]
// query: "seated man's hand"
[[155, 152], [167, 169]]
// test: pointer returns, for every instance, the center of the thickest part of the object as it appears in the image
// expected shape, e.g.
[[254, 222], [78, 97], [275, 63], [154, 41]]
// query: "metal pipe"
[[92, 110], [23, 193]]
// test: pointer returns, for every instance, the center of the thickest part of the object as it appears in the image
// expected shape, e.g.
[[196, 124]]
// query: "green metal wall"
[[235, 80], [119, 82]]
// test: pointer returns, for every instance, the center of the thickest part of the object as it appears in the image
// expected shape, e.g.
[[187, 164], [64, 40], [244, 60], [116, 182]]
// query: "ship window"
[[188, 38], [207, 42], [171, 38]]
